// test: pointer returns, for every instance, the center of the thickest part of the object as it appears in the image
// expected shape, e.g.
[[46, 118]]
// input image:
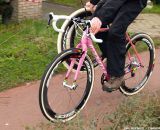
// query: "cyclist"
[[120, 13]]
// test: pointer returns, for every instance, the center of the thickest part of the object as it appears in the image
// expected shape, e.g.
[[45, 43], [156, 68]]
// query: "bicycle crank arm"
[[72, 87]]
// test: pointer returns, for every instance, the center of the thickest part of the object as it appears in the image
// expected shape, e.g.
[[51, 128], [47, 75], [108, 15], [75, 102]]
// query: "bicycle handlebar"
[[56, 18], [95, 39]]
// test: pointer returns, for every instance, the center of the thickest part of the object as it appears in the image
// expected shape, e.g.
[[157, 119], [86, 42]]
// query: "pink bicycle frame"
[[86, 43]]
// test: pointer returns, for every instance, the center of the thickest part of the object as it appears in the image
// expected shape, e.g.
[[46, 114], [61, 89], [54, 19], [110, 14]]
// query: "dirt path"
[[19, 107]]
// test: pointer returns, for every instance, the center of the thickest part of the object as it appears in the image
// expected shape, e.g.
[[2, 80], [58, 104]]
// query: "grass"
[[155, 9], [140, 111], [25, 50]]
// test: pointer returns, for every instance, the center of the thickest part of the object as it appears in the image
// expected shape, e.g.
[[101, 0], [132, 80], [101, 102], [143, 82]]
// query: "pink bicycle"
[[68, 81]]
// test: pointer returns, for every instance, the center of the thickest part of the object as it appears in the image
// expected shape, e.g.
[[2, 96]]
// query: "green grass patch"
[[142, 111], [155, 9], [25, 50], [156, 41]]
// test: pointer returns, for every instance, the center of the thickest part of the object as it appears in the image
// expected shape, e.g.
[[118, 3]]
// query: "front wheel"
[[139, 73], [61, 99]]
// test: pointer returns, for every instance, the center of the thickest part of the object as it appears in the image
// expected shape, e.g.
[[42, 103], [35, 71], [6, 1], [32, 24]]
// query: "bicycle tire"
[[146, 40], [44, 102]]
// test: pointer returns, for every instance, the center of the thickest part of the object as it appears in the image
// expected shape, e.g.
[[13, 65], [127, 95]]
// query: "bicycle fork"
[[83, 45]]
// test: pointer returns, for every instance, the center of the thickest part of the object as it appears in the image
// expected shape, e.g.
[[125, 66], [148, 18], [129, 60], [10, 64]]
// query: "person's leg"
[[102, 46], [107, 9], [116, 41], [111, 8]]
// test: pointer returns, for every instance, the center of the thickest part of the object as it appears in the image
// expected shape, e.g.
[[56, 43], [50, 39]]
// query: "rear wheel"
[[70, 37], [138, 74], [61, 99]]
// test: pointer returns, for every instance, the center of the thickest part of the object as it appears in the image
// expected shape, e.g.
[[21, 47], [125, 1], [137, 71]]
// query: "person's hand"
[[90, 7], [95, 25]]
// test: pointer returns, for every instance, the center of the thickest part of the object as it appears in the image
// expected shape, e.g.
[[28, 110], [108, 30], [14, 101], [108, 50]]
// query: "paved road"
[[148, 23], [56, 9]]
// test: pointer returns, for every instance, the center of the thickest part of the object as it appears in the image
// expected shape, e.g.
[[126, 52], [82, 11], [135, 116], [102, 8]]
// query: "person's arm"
[[104, 13], [94, 2]]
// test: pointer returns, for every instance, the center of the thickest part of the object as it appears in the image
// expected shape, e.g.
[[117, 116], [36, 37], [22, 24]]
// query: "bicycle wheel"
[[138, 74], [58, 102], [70, 36]]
